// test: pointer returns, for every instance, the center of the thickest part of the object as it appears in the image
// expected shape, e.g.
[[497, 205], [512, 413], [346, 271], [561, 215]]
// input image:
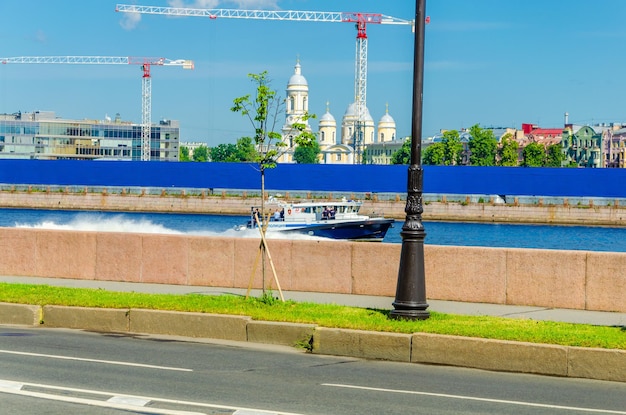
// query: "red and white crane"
[[361, 21], [145, 62]]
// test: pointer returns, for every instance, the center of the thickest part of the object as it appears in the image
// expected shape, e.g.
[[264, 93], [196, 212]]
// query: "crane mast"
[[361, 21], [146, 90]]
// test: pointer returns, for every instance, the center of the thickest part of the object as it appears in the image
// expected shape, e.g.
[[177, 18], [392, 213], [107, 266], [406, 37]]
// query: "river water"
[[437, 233]]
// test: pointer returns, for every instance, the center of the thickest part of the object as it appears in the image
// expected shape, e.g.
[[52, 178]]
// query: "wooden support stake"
[[269, 256]]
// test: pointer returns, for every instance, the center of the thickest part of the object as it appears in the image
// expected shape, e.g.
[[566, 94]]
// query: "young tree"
[[434, 154], [402, 155], [534, 155], [263, 109], [508, 151], [183, 154], [201, 153], [482, 147], [554, 155]]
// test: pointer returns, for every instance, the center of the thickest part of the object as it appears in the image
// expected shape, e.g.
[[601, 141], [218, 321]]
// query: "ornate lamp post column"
[[410, 302]]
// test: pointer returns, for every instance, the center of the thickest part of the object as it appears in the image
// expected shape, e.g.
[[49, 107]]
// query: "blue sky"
[[487, 62]]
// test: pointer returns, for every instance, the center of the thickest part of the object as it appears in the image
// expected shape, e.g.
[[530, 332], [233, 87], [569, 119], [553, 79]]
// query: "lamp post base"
[[414, 311], [410, 302]]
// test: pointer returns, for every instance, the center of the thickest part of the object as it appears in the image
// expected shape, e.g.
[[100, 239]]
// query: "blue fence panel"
[[518, 181]]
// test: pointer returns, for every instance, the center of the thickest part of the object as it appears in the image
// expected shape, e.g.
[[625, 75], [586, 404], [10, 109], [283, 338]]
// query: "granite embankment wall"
[[546, 278], [200, 202]]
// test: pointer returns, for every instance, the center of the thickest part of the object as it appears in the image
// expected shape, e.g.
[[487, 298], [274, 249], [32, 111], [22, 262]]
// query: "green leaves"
[[201, 153], [483, 147], [403, 155], [508, 151], [262, 110]]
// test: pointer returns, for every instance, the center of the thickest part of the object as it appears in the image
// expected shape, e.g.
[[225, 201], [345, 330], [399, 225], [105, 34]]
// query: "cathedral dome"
[[386, 119], [297, 79], [351, 113], [327, 117]]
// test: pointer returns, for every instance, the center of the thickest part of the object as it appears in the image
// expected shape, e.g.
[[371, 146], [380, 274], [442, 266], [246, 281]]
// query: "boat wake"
[[103, 224], [121, 223]]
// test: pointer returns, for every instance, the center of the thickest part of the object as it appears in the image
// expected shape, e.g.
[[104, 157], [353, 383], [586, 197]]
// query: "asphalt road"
[[141, 374]]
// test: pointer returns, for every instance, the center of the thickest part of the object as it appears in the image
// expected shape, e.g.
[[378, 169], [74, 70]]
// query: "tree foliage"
[[262, 110], [403, 154], [244, 150], [183, 153], [223, 152], [534, 155], [482, 146], [201, 153], [452, 148], [434, 154], [307, 155], [508, 151], [554, 156]]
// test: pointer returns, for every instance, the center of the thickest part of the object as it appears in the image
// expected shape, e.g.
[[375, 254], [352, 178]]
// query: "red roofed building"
[[545, 136], [531, 133], [535, 134]]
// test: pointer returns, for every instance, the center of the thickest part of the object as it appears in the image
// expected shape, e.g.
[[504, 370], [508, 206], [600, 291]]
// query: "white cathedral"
[[335, 148]]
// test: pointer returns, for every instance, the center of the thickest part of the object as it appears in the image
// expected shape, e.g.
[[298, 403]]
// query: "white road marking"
[[7, 384], [128, 400], [109, 362], [473, 398], [95, 402], [12, 387]]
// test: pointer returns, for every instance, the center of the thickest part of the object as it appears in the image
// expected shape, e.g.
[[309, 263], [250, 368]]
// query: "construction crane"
[[146, 90], [361, 21]]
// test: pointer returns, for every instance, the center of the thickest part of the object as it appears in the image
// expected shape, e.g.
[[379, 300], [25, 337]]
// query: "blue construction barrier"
[[557, 182]]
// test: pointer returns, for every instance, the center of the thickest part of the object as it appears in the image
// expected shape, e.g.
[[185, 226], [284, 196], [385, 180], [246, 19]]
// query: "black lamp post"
[[410, 302]]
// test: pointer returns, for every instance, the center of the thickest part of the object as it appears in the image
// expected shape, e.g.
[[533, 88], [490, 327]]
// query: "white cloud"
[[130, 20], [40, 37]]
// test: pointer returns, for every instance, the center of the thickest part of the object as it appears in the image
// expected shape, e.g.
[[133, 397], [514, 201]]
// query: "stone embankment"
[[178, 201]]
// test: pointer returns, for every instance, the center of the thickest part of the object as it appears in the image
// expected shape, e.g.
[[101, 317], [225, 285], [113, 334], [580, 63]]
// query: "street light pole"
[[410, 302]]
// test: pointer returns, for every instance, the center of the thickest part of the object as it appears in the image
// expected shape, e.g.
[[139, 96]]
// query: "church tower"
[[327, 129], [386, 127], [297, 106]]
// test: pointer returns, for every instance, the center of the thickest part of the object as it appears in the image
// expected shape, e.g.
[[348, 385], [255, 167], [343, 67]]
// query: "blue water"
[[437, 233]]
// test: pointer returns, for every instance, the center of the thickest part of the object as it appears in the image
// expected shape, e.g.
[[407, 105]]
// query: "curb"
[[425, 348]]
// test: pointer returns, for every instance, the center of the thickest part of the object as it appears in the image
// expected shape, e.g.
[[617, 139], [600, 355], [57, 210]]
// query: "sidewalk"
[[451, 307]]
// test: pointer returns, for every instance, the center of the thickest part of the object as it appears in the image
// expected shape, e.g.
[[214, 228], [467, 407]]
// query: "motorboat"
[[326, 219]]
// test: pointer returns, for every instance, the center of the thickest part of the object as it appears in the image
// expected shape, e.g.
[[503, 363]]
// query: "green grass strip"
[[324, 315]]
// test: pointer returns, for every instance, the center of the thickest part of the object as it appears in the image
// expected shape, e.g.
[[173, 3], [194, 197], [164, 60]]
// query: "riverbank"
[[488, 209]]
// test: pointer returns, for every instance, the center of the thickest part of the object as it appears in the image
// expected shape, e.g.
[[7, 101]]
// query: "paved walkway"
[[452, 307]]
